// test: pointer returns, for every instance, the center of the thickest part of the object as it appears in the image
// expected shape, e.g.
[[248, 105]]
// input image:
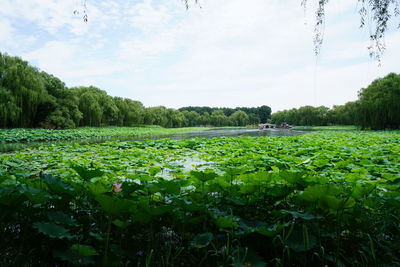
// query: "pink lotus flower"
[[117, 187]]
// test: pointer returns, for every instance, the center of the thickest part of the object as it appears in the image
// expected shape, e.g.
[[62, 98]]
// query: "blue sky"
[[227, 53]]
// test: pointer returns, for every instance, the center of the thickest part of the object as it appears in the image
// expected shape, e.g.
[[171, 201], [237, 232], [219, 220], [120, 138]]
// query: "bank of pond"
[[329, 198]]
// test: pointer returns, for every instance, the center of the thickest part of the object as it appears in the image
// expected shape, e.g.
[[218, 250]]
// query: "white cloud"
[[6, 31], [146, 17], [51, 15], [139, 48], [59, 58], [238, 54], [227, 53], [52, 57]]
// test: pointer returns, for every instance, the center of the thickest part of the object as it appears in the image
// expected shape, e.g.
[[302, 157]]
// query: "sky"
[[220, 53]]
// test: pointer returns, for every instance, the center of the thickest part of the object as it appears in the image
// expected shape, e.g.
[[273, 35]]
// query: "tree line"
[[239, 116], [377, 107], [32, 98]]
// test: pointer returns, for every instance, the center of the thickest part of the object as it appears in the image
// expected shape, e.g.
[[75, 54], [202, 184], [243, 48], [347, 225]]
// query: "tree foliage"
[[33, 98], [378, 107], [23, 88], [306, 115], [255, 115], [379, 103]]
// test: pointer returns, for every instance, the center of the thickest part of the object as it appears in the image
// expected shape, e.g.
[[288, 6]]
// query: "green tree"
[[239, 118], [206, 119], [9, 111], [218, 118], [25, 85], [110, 110], [90, 107], [264, 113], [135, 113], [346, 114], [192, 118], [379, 103], [156, 116], [175, 118], [69, 101], [123, 110]]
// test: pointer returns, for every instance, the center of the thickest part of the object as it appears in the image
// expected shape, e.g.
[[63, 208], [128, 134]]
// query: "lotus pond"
[[15, 139], [87, 133], [321, 199]]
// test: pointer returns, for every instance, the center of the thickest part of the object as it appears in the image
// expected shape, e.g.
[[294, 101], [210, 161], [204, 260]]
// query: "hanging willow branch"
[[187, 3], [84, 11], [376, 12]]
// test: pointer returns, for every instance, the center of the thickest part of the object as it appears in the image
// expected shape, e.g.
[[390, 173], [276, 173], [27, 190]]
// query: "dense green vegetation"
[[84, 133], [322, 199], [378, 107], [326, 128], [379, 103], [227, 116], [33, 98]]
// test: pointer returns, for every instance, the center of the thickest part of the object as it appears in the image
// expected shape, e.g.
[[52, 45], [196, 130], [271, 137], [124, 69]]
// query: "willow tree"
[[60, 110], [175, 118], [346, 114], [110, 110], [239, 118], [25, 85], [156, 116], [135, 112], [218, 118], [122, 110], [89, 105], [9, 111], [192, 118], [379, 103]]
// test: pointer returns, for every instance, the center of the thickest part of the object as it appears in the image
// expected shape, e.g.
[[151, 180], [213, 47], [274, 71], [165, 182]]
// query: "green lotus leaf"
[[202, 240], [86, 173], [246, 257], [114, 205], [226, 222], [60, 217], [56, 185], [84, 250], [305, 216], [204, 176], [52, 230]]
